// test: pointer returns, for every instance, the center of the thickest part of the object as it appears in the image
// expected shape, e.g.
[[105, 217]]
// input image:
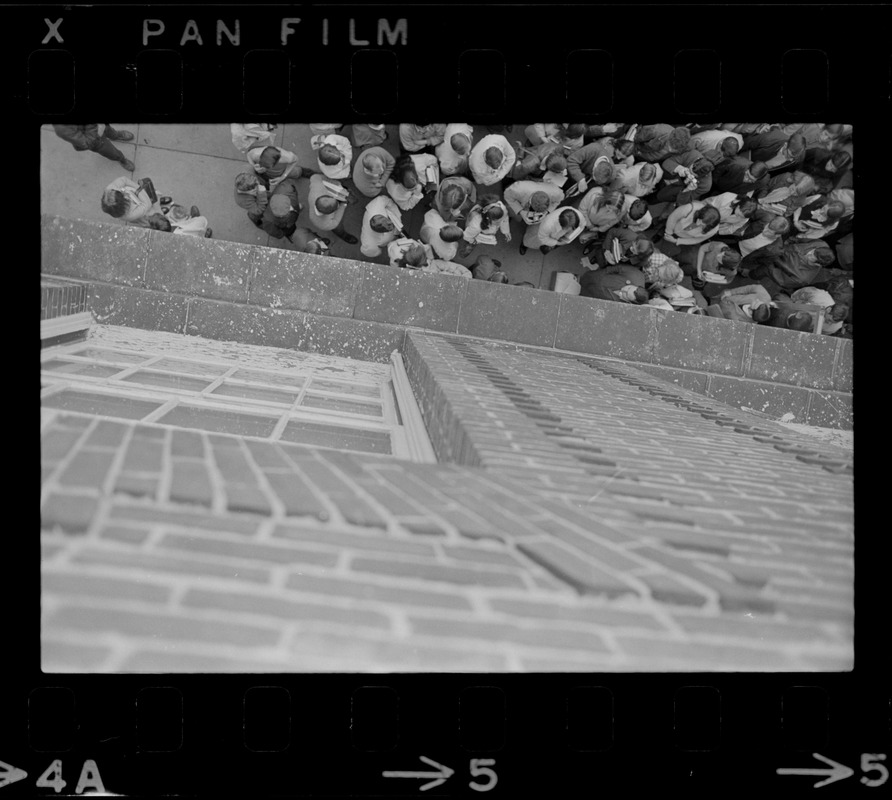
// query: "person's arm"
[[732, 311], [505, 227], [438, 135], [512, 200], [473, 228], [549, 231], [674, 218], [122, 183]]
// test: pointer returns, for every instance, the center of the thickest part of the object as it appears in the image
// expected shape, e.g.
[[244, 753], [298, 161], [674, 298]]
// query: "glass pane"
[[272, 378], [255, 393], [338, 404], [336, 436], [346, 388], [100, 354], [219, 421], [167, 380], [101, 404], [190, 367], [81, 368]]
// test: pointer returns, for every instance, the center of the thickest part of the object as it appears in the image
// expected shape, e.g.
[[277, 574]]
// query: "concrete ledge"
[[387, 298]]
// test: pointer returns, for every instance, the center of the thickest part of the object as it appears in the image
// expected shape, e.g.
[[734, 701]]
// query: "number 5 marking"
[[479, 766], [870, 763]]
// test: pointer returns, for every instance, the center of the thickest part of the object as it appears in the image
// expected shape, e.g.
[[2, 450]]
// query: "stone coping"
[[184, 279]]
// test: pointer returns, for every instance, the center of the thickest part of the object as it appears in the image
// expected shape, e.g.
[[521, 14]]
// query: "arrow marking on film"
[[440, 777], [836, 772], [10, 774]]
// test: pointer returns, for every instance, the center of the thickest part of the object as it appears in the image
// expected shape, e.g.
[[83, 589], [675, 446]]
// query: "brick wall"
[[258, 295], [593, 517]]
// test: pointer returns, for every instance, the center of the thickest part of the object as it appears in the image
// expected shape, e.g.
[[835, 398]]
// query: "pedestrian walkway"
[[197, 165]]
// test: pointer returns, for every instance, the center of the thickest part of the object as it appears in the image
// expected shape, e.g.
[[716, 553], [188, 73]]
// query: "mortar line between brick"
[[557, 322], [837, 357], [748, 350]]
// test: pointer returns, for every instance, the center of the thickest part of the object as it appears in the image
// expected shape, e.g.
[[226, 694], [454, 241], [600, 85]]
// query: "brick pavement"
[[584, 516]]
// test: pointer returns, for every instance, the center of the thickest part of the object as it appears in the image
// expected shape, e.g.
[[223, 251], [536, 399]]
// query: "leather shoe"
[[165, 201], [128, 165], [208, 233], [348, 237], [118, 136], [194, 211], [523, 250]]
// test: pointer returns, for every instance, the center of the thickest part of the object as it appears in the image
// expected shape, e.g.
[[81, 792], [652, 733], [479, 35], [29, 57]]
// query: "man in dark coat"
[[87, 137], [622, 283], [778, 150]]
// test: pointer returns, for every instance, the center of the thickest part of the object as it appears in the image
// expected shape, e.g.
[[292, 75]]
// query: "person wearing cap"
[[818, 219], [455, 197], [334, 154], [327, 200], [621, 283], [280, 218], [87, 137], [637, 179], [409, 253], [491, 159], [558, 228], [413, 176], [592, 164], [250, 135], [750, 304], [367, 135], [453, 151], [778, 150], [372, 170], [655, 143], [530, 201], [692, 223], [486, 219], [415, 138], [381, 224], [443, 237]]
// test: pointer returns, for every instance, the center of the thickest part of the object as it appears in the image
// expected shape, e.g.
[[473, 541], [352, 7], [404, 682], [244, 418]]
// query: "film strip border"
[[480, 61]]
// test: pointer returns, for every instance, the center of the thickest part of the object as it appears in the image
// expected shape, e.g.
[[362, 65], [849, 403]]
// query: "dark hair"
[[745, 205], [679, 140], [800, 321], [453, 196], [459, 137], [703, 167], [839, 311], [451, 233], [494, 157], [158, 222], [574, 130], [415, 256], [796, 143], [730, 146], [637, 210], [841, 159], [326, 204], [404, 169], [758, 169], [824, 256], [555, 162], [114, 203], [710, 212], [731, 259], [377, 226], [568, 217], [762, 313], [835, 209], [269, 157]]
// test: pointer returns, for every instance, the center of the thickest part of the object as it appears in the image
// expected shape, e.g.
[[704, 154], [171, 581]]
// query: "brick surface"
[[792, 357], [167, 565], [291, 610], [601, 327], [435, 572], [338, 539], [161, 624], [70, 512], [191, 483], [183, 519], [252, 551], [139, 308], [586, 577], [87, 469], [103, 587], [496, 311], [62, 656]]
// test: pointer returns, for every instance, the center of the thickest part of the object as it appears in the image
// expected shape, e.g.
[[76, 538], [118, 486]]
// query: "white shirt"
[[342, 143], [246, 135], [517, 198], [637, 225], [484, 174], [747, 246], [732, 221], [451, 163], [550, 227], [371, 241], [474, 229], [711, 140], [405, 198], [628, 180], [396, 249], [430, 234]]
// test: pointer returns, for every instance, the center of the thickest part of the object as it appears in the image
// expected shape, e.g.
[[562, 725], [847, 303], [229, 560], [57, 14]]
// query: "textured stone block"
[[137, 308], [408, 297], [499, 311], [830, 410], [323, 285], [768, 398], [842, 375], [206, 267], [784, 356], [704, 343], [601, 327], [108, 252]]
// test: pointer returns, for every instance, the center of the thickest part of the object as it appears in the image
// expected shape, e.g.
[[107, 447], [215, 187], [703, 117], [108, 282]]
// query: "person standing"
[[491, 159], [560, 227], [87, 137], [372, 170], [327, 200]]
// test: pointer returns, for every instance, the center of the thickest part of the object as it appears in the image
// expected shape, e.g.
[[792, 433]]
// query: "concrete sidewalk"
[[197, 165]]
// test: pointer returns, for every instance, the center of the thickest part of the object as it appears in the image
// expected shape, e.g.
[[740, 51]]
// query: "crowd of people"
[[747, 222]]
